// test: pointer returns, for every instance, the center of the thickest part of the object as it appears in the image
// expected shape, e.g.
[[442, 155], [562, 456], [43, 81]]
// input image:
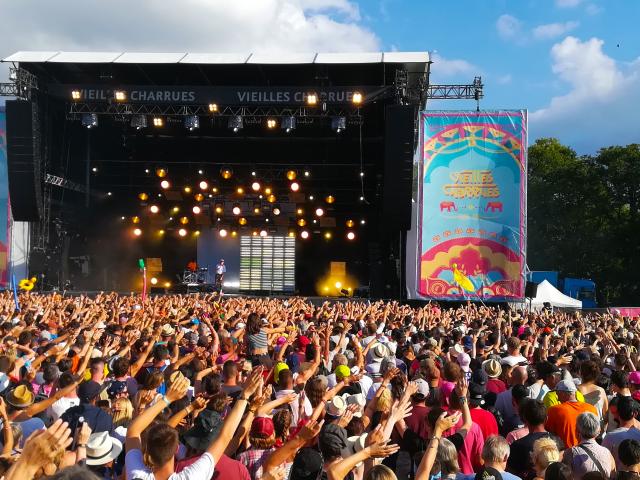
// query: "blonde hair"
[[380, 472], [545, 452], [122, 412]]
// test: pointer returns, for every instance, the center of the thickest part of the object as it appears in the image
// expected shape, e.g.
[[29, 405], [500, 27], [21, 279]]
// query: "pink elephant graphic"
[[448, 206], [493, 206]]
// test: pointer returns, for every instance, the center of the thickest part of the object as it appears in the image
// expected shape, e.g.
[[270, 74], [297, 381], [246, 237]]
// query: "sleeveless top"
[[257, 341]]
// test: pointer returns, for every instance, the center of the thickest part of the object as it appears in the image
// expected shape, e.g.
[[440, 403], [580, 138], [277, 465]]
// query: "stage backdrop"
[[4, 204], [470, 211]]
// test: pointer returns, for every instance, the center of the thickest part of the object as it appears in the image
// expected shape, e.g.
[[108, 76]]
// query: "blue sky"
[[574, 64]]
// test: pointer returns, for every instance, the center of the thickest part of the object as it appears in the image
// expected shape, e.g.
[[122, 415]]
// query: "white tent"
[[547, 293]]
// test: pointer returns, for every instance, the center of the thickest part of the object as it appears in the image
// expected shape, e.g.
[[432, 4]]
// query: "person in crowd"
[[588, 455], [627, 410], [629, 453], [545, 452], [562, 418]]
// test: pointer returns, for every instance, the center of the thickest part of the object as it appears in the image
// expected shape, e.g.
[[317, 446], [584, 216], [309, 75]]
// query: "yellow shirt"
[[551, 398]]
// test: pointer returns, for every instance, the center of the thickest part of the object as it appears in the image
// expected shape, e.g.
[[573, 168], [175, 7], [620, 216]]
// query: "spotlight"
[[175, 209], [214, 190], [255, 186], [184, 220], [253, 174], [75, 94], [362, 174], [276, 211], [327, 235], [292, 234], [288, 124], [191, 122], [267, 190], [123, 218], [271, 198], [137, 232], [167, 284], [234, 233], [120, 96], [256, 209], [154, 209], [219, 209], [213, 107], [196, 210], [235, 123], [315, 221], [161, 172], [143, 196], [146, 170], [330, 199], [226, 173], [311, 197], [350, 223], [357, 98], [338, 285], [362, 222], [160, 232], [319, 212], [135, 219], [312, 99], [154, 280], [200, 172], [240, 190], [361, 198], [295, 187], [165, 184], [242, 221], [271, 123], [306, 173], [236, 209], [222, 232], [302, 222], [94, 169], [158, 122], [139, 121], [182, 232], [203, 185], [263, 233], [89, 120], [351, 236], [299, 211], [187, 189], [304, 234], [291, 175], [338, 124], [199, 197]]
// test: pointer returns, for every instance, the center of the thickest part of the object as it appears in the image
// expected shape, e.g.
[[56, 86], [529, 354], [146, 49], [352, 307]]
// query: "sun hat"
[[336, 406], [342, 371], [464, 360], [456, 350], [20, 397], [206, 428], [492, 367], [379, 352], [102, 448], [262, 427], [167, 330]]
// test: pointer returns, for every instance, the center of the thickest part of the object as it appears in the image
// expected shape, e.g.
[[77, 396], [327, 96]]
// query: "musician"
[[220, 271], [192, 266]]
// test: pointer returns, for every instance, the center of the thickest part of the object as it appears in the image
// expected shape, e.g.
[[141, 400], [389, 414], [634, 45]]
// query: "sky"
[[573, 64]]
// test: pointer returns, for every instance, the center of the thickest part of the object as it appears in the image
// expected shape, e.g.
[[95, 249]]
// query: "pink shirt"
[[469, 455]]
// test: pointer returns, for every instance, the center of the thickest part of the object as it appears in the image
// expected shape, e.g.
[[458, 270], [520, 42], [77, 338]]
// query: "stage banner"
[[4, 204], [472, 199]]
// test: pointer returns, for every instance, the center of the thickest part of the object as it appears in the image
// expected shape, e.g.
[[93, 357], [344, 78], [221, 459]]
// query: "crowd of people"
[[202, 387]]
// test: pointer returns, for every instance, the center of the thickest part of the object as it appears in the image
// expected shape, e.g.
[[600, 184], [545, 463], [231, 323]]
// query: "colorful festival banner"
[[4, 204], [472, 220]]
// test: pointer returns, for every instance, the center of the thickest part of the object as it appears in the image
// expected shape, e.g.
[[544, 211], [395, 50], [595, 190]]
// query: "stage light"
[[350, 223], [291, 175], [236, 209], [234, 233], [362, 222], [158, 122], [171, 219], [159, 195], [240, 191], [154, 209], [222, 232], [123, 218], [315, 221], [167, 284], [362, 174], [304, 234], [242, 221], [338, 285], [154, 280], [175, 209], [330, 199], [256, 210], [271, 123], [203, 185], [299, 211], [351, 236], [319, 212], [295, 187], [338, 124], [255, 186], [226, 173], [266, 220], [138, 122], [361, 198], [182, 232], [263, 233], [214, 189], [137, 232], [276, 211], [187, 189], [213, 107], [160, 232], [161, 172], [218, 208], [165, 184], [312, 99], [327, 235], [235, 123], [198, 197], [135, 219], [197, 233], [306, 173], [254, 233], [94, 169], [292, 234], [326, 289], [184, 220], [143, 196], [357, 98], [191, 122], [89, 120], [267, 190], [200, 172], [302, 222], [196, 210], [75, 94], [311, 197], [253, 174], [288, 124], [120, 96], [271, 198], [146, 170]]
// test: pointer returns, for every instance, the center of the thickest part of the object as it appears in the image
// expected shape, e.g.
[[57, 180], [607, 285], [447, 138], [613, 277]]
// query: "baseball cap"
[[464, 360], [423, 390], [262, 427], [342, 371], [634, 378], [480, 377], [566, 386], [88, 390]]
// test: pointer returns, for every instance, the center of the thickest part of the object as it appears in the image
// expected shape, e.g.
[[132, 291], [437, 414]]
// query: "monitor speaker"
[[531, 290], [23, 160]]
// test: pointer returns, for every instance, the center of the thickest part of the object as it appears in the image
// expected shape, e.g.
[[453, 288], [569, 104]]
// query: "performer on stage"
[[220, 271], [192, 266]]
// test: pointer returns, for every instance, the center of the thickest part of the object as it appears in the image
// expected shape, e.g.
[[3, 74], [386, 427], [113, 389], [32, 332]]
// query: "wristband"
[[82, 445], [164, 397]]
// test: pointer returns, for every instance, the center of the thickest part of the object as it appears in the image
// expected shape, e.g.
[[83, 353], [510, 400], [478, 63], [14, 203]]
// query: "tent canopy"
[[547, 293]]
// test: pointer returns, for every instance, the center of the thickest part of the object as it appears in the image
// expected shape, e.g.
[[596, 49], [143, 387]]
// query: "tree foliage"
[[584, 217]]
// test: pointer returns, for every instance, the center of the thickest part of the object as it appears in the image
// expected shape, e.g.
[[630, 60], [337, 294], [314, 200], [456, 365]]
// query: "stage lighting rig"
[[235, 123], [139, 121], [119, 96], [89, 120], [191, 122], [338, 124], [288, 124]]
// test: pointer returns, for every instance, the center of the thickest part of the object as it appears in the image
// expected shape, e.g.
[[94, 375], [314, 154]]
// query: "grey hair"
[[588, 426], [496, 449], [447, 457]]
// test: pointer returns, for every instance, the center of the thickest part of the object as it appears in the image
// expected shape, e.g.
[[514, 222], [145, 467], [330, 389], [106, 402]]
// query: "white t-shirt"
[[201, 469], [58, 408]]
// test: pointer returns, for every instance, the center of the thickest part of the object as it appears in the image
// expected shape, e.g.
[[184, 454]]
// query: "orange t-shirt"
[[561, 420]]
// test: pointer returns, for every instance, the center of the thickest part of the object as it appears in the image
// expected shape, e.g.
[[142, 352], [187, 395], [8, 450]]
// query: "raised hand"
[[382, 449], [310, 430], [253, 382], [178, 389], [445, 422]]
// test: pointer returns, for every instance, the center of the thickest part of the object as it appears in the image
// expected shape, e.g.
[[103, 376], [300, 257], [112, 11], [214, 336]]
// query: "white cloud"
[[593, 9], [508, 26], [553, 30], [600, 108], [568, 3], [504, 79], [444, 67]]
